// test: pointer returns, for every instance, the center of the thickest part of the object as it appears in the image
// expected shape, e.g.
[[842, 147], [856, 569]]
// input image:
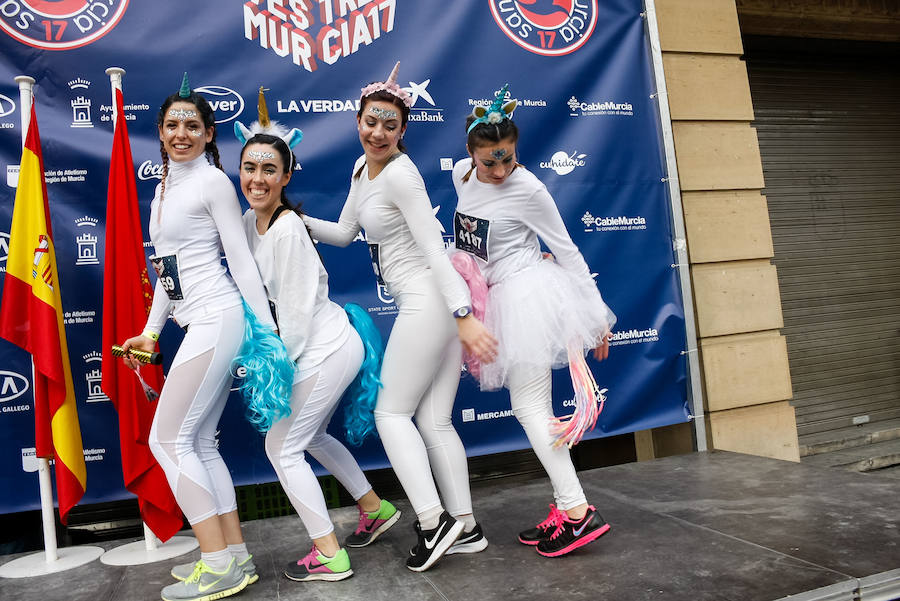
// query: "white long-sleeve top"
[[403, 234], [198, 219], [311, 325], [500, 225]]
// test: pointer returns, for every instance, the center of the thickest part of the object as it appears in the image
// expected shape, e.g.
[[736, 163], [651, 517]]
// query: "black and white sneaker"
[[469, 542], [432, 544]]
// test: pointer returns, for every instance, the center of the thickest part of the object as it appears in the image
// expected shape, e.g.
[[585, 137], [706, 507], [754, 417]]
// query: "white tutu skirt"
[[535, 313]]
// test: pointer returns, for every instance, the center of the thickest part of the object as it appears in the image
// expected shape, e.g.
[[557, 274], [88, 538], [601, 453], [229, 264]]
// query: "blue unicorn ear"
[[241, 133], [292, 138]]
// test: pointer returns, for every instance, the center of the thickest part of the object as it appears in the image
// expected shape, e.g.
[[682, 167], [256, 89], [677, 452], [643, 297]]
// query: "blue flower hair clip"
[[497, 112]]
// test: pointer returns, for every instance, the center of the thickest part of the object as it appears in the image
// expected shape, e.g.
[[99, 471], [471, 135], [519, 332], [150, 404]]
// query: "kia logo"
[[12, 385]]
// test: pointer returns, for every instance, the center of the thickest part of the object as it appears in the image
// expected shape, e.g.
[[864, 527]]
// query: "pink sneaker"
[[372, 525], [316, 566]]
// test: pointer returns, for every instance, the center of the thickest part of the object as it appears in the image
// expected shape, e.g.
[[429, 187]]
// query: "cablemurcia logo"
[[59, 24], [547, 27]]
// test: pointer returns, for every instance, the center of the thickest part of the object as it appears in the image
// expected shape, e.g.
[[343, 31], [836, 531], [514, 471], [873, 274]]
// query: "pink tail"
[[467, 267], [589, 400]]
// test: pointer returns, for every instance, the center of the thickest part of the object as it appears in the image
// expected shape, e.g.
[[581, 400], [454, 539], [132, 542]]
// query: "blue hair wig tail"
[[269, 373], [359, 417]]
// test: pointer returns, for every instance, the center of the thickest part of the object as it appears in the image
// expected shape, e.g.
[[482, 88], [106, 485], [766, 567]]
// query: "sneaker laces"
[[553, 519], [308, 559], [363, 516], [199, 568]]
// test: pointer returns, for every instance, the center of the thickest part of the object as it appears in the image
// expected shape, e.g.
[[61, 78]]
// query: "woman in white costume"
[[327, 351], [422, 358], [544, 312], [195, 216]]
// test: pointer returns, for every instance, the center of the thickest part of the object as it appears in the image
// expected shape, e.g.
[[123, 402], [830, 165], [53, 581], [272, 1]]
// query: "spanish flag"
[[32, 318]]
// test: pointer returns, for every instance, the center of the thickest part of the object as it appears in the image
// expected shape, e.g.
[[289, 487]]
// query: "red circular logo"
[[547, 27], [59, 24]]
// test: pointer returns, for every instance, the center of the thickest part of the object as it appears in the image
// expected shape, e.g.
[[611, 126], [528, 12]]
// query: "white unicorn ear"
[[510, 106], [479, 111], [241, 133], [293, 137]]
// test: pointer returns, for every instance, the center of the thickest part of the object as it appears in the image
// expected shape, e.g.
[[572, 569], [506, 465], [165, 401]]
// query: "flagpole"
[[150, 550], [30, 565]]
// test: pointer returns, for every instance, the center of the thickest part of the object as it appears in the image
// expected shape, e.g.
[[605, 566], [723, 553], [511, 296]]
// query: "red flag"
[[32, 318], [127, 296]]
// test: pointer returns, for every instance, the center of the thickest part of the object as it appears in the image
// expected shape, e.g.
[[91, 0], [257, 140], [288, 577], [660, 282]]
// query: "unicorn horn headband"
[[390, 86], [185, 90], [497, 112], [264, 125]]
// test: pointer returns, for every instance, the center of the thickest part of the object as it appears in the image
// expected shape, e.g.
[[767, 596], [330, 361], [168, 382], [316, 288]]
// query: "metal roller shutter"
[[829, 135]]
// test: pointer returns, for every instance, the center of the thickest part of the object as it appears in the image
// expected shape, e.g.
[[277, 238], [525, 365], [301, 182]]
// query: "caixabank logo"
[[60, 24], [546, 27]]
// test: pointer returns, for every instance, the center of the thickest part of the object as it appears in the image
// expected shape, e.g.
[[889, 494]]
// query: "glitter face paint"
[[499, 153], [383, 114], [260, 156], [182, 114]]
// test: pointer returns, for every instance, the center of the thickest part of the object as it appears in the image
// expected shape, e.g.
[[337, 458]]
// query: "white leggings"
[[183, 435], [420, 374], [313, 401], [529, 395]]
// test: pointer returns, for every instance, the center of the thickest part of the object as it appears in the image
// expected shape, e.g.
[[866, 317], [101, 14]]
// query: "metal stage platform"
[[701, 527]]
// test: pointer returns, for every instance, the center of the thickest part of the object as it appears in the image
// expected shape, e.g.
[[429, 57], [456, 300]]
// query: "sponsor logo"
[[12, 175], [592, 109], [93, 376], [317, 106], [64, 176], [225, 102], [81, 105], [94, 454], [30, 460], [149, 170], [59, 24], [7, 107], [4, 250], [423, 113], [546, 27], [612, 224], [79, 317], [468, 415], [107, 110], [487, 415], [564, 163], [239, 373], [446, 164], [87, 243], [12, 386], [634, 336], [307, 33]]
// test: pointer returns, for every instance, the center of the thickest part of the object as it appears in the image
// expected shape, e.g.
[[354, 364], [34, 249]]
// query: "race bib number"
[[471, 234], [376, 263], [167, 270]]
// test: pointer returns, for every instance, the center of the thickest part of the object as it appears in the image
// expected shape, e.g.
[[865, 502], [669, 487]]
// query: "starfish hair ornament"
[[264, 125], [185, 90], [390, 86], [497, 112]]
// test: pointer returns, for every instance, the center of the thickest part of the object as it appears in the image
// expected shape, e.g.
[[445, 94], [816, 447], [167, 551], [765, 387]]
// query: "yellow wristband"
[[151, 335]]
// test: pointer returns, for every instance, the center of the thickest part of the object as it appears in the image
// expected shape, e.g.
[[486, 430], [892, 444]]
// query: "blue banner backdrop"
[[580, 69]]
